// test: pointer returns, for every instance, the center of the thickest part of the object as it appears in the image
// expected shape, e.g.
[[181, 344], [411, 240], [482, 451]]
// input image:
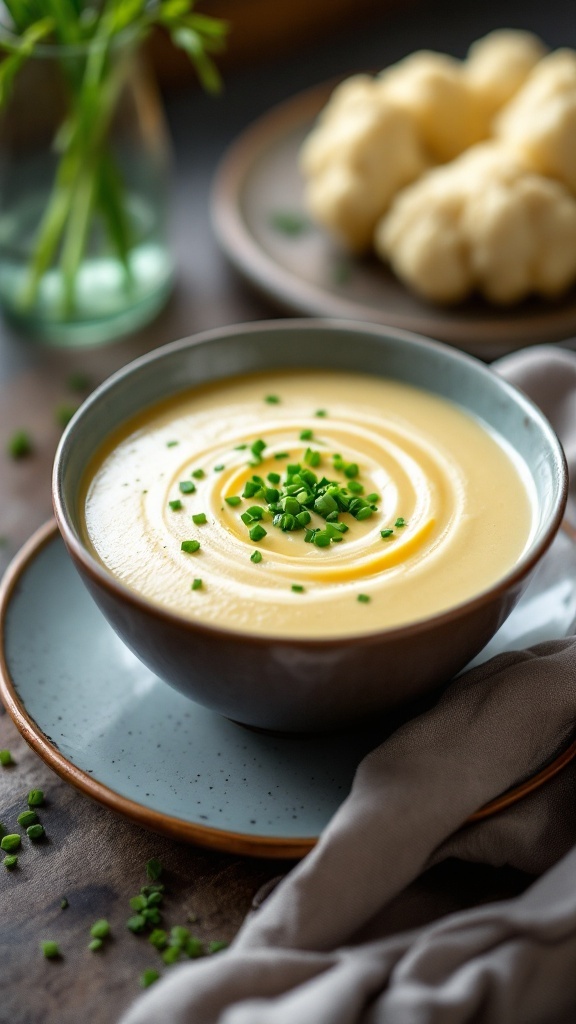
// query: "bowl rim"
[[100, 575]]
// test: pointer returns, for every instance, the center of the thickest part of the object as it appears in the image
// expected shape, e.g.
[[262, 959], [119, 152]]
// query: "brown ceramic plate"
[[105, 724], [258, 188]]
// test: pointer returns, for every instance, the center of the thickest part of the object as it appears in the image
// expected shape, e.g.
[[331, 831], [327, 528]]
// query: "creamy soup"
[[307, 504]]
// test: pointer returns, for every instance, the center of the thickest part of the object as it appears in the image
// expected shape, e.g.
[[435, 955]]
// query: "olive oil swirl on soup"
[[448, 509]]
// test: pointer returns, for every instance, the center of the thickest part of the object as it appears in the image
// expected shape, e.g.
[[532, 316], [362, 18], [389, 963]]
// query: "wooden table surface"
[[92, 858]]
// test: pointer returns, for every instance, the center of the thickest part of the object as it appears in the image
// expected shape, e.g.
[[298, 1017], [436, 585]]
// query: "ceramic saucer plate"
[[107, 725], [257, 207]]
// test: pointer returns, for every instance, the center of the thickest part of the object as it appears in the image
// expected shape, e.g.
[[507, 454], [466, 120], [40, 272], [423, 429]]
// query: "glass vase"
[[84, 165]]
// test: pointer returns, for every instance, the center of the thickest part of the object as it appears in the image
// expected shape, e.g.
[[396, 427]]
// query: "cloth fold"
[[320, 949]]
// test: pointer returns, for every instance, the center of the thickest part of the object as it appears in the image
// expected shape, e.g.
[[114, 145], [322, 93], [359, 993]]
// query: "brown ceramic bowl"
[[304, 684]]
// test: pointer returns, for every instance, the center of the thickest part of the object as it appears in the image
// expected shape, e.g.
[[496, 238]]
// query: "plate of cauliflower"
[[438, 195]]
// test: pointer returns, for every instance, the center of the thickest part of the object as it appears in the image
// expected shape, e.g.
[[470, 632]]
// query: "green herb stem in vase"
[[85, 162]]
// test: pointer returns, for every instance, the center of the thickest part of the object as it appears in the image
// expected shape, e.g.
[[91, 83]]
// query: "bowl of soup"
[[302, 523]]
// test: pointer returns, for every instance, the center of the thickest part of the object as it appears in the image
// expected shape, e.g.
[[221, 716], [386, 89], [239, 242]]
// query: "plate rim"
[[283, 286], [221, 840]]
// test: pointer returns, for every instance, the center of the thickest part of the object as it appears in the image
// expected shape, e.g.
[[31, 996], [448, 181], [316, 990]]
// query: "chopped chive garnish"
[[199, 519], [400, 522], [35, 798], [312, 458], [148, 977], [196, 584], [190, 546], [187, 486], [216, 946], [274, 478], [35, 832], [386, 533], [297, 588], [100, 929], [256, 556], [10, 861], [257, 533], [64, 904], [198, 474], [240, 448], [50, 949], [363, 598], [272, 399], [64, 413], [354, 487], [372, 497], [175, 505], [158, 938], [10, 843], [27, 818], [94, 945], [172, 954], [257, 448], [153, 869], [251, 488], [289, 223], [321, 412], [233, 500], [282, 455], [306, 435], [136, 924], [5, 758], [172, 444], [219, 468], [20, 445]]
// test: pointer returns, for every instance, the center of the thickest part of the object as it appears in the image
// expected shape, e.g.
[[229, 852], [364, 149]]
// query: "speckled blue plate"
[[107, 725]]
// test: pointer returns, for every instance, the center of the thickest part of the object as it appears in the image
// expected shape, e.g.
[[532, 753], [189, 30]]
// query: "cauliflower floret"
[[482, 223], [498, 64], [540, 121], [433, 89], [361, 152]]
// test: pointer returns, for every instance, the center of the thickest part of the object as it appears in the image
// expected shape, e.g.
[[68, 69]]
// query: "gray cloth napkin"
[[338, 941]]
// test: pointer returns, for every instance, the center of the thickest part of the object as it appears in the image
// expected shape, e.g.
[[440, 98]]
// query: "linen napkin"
[[352, 935]]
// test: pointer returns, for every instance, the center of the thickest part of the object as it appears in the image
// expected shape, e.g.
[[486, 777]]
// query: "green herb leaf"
[[233, 500], [196, 584], [175, 505], [190, 546], [199, 519]]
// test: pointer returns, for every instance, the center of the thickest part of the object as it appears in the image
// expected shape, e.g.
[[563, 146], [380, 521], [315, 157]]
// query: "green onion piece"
[[355, 488], [194, 948], [158, 938], [257, 448], [272, 399], [309, 536], [303, 518], [35, 832], [175, 505], [240, 448], [325, 504], [196, 584], [179, 935], [363, 598], [400, 522], [64, 904], [282, 455], [271, 494], [10, 842], [351, 470], [291, 505], [372, 497], [297, 588], [217, 946], [10, 861], [386, 533], [94, 945], [155, 899], [152, 916], [20, 445], [199, 519], [138, 903], [256, 556], [312, 458], [153, 869], [198, 474], [321, 539], [251, 488], [289, 223], [256, 512], [190, 546], [148, 977], [64, 413], [5, 758], [50, 949], [219, 468], [274, 478], [363, 513], [172, 444], [257, 533], [187, 486], [100, 929], [27, 818], [233, 500], [321, 412], [306, 435], [136, 924], [171, 955]]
